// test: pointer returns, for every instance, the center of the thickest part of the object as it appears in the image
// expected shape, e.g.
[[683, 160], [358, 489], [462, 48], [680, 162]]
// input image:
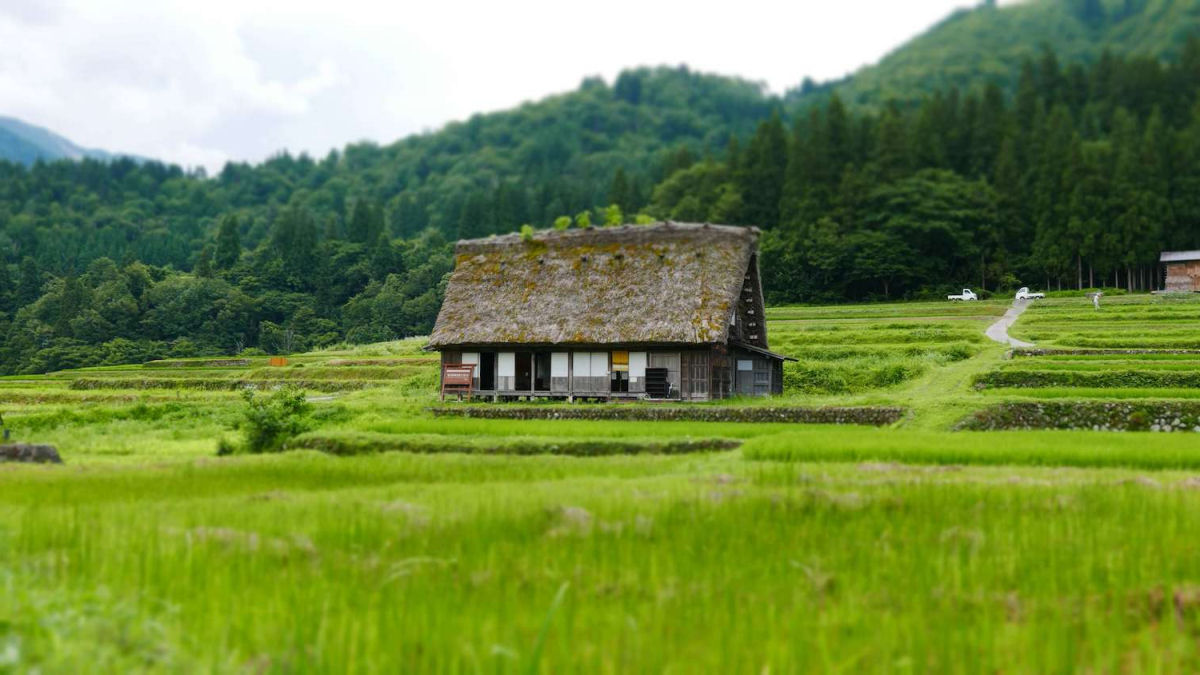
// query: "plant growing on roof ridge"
[[613, 216], [527, 233], [583, 219], [562, 222]]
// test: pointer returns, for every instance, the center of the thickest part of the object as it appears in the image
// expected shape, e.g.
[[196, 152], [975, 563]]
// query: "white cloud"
[[198, 83]]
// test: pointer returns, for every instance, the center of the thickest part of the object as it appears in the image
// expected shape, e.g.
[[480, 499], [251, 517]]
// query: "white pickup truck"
[[966, 294], [1024, 294]]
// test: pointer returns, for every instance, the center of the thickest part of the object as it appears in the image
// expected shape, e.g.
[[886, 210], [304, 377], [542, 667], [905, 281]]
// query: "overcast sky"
[[201, 82]]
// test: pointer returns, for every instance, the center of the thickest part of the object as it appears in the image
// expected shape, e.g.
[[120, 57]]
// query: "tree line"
[[1081, 179], [1078, 178]]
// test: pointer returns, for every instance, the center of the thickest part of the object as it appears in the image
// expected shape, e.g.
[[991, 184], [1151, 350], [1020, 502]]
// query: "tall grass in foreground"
[[702, 564]]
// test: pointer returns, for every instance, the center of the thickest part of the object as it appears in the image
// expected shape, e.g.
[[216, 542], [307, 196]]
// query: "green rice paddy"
[[478, 545]]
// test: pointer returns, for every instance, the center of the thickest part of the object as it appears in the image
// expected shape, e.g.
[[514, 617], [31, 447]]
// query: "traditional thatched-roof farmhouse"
[[664, 311], [1183, 271]]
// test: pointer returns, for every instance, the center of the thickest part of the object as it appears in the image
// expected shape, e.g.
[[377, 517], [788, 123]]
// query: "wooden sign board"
[[458, 378]]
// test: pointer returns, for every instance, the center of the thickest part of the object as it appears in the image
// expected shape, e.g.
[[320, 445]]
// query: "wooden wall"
[[1183, 276]]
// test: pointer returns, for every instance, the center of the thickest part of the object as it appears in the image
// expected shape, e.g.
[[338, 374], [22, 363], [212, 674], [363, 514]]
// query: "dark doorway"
[[487, 371], [619, 382], [524, 372], [541, 371]]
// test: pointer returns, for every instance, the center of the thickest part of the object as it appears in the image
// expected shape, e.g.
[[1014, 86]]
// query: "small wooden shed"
[[1182, 271], [662, 311]]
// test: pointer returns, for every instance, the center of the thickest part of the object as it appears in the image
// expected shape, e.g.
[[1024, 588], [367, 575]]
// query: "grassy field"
[[473, 545]]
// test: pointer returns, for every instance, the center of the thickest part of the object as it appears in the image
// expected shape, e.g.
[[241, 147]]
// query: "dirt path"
[[999, 330]]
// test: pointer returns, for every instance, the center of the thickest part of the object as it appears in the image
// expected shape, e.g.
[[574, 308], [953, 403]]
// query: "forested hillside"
[[1080, 179], [121, 261], [1078, 176], [989, 43]]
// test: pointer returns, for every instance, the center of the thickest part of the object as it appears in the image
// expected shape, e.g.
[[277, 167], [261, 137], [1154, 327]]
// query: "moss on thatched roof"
[[668, 283]]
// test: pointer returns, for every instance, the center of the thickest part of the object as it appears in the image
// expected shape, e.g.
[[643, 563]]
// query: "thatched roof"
[[667, 283]]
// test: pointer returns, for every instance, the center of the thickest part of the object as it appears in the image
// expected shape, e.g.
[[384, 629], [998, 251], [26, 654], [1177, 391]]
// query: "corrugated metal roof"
[[1179, 256]]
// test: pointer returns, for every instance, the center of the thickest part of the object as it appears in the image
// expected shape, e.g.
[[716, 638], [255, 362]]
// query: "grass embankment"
[[995, 448]]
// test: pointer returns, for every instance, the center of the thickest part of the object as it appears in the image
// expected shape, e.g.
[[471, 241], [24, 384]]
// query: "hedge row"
[[1032, 379], [1099, 352], [1157, 344], [836, 379], [202, 363], [214, 384], [1093, 415], [872, 416], [368, 443], [411, 361]]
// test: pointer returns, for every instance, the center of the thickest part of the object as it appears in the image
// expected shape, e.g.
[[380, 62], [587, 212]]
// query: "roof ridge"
[[612, 231]]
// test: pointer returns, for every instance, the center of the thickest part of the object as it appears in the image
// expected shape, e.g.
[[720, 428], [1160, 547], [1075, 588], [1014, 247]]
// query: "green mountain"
[[989, 43], [24, 143]]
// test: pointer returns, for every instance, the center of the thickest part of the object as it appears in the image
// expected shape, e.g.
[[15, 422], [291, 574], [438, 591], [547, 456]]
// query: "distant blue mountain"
[[25, 144]]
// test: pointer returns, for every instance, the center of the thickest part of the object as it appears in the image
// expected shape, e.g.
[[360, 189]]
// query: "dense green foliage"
[[270, 420], [298, 253], [988, 44], [1082, 178]]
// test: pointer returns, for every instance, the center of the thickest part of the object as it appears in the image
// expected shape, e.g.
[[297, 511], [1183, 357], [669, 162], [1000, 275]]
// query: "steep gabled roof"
[[667, 283], [1179, 256]]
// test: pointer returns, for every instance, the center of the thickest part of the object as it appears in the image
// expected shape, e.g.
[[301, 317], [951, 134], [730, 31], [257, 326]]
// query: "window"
[[637, 365], [590, 372], [698, 374], [506, 364], [558, 364], [744, 365], [599, 364]]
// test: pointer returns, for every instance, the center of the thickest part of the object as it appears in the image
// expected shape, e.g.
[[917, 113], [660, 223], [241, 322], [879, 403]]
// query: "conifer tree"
[[385, 259], [760, 178], [475, 219], [360, 224], [891, 144], [203, 267], [620, 192], [294, 241], [838, 143], [29, 282], [7, 290], [229, 243]]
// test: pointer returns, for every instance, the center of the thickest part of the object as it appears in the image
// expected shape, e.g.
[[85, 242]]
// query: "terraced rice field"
[[389, 539], [1131, 344]]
